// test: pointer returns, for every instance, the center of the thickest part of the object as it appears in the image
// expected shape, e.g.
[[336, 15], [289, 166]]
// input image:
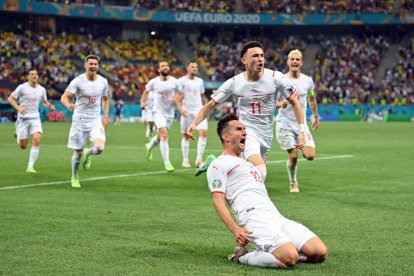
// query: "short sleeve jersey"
[[193, 89], [29, 98], [286, 116], [164, 93], [256, 101], [88, 97], [239, 181]]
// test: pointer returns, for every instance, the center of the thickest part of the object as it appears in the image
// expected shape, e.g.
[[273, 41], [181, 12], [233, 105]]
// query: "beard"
[[165, 73]]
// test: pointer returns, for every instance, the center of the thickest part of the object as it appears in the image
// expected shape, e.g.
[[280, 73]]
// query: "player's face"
[[295, 62], [164, 68], [33, 76], [237, 135], [192, 68], [91, 66], [254, 59]]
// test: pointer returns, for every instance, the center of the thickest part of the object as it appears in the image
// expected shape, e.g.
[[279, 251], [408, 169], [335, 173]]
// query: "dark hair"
[[161, 60], [88, 57], [30, 69], [224, 122], [251, 44]]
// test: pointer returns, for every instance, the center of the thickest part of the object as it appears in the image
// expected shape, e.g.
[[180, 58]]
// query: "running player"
[[164, 88], [287, 129], [90, 89], [189, 102], [29, 94], [256, 89]]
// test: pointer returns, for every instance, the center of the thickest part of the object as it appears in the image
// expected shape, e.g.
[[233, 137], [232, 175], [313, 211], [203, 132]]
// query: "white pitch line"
[[144, 173]]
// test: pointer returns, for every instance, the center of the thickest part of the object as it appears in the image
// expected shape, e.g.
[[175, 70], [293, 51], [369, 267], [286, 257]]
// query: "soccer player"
[[287, 129], [257, 89], [189, 102], [279, 241], [164, 88], [148, 116], [29, 94], [90, 90]]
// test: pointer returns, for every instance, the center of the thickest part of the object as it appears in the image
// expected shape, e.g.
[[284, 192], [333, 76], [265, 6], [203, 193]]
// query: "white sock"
[[261, 258], [154, 142], [201, 145], [34, 153], [292, 171], [185, 148], [76, 157], [263, 170], [165, 150]]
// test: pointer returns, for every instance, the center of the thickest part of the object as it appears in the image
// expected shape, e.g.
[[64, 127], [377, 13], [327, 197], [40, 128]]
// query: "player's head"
[[232, 132], [92, 64], [295, 60], [32, 75], [163, 67], [192, 68], [252, 56]]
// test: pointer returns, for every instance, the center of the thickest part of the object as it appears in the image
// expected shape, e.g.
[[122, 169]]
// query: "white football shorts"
[[27, 127], [186, 121], [80, 132], [288, 138], [162, 121], [271, 229]]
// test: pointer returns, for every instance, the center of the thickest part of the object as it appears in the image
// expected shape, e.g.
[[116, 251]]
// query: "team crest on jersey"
[[216, 184]]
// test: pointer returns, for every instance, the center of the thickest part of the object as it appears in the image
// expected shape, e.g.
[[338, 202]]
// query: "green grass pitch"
[[132, 218]]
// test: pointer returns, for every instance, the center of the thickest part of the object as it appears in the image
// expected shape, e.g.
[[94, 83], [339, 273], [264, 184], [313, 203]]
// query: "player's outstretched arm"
[[239, 233], [105, 107], [49, 105], [201, 115]]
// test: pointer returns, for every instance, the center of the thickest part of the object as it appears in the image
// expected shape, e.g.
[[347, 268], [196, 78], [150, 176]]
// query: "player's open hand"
[[315, 123], [105, 121]]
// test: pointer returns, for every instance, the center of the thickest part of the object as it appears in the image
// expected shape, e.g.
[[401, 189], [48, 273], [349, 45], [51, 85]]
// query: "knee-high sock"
[[262, 168], [165, 150], [292, 171], [76, 157], [154, 142], [148, 132], [185, 148], [260, 258], [34, 153], [201, 146]]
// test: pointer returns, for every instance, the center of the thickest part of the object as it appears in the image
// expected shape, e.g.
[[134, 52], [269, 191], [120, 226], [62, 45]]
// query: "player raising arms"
[[164, 88], [189, 103], [29, 94], [287, 128], [90, 89], [257, 89]]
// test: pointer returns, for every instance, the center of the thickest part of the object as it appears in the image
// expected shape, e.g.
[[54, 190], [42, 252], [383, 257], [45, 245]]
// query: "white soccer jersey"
[[150, 101], [256, 100], [164, 93], [286, 117], [88, 97], [29, 98], [240, 182], [193, 89]]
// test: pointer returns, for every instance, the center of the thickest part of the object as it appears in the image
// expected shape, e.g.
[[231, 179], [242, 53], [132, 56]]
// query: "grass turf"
[[130, 217]]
